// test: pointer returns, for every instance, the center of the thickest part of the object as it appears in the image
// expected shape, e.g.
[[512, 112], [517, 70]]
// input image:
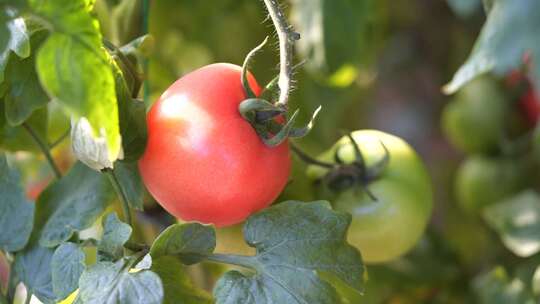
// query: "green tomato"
[[474, 120], [482, 181], [390, 226]]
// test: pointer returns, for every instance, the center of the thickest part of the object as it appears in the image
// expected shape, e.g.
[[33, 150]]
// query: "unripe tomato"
[[474, 120], [482, 181], [203, 161], [390, 226]]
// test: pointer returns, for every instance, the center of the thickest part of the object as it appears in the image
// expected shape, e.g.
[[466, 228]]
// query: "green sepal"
[[249, 58]]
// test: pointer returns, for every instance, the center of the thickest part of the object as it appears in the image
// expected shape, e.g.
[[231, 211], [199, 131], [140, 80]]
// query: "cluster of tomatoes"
[[493, 123], [204, 162]]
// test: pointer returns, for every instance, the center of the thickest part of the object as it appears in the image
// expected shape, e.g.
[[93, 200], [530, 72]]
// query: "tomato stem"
[[44, 149], [12, 283], [308, 159], [121, 195], [60, 139], [286, 36]]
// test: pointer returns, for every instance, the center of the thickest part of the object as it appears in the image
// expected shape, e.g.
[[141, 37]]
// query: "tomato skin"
[[204, 162], [474, 120], [387, 228], [483, 181]]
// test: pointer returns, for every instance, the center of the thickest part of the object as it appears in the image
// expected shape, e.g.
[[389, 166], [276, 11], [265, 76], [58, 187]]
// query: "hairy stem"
[[286, 39], [121, 194], [44, 149]]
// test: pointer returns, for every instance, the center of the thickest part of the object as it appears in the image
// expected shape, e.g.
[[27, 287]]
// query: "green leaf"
[[298, 245], [33, 267], [72, 204], [16, 212], [75, 69], [67, 265], [13, 37], [132, 119], [517, 222], [185, 239], [112, 283], [115, 235], [510, 32], [131, 182], [177, 285], [17, 138], [24, 92], [335, 33], [496, 287]]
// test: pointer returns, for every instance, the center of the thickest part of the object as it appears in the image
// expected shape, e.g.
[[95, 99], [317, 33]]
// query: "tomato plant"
[[137, 168]]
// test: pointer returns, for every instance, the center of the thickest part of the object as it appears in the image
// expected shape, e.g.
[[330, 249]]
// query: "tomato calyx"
[[270, 120], [342, 176]]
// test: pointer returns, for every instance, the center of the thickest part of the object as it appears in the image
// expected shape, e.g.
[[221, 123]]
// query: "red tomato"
[[530, 106], [203, 161]]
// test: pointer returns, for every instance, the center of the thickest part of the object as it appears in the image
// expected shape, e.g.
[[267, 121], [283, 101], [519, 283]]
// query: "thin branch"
[[286, 39], [121, 194], [308, 159], [60, 139], [44, 149]]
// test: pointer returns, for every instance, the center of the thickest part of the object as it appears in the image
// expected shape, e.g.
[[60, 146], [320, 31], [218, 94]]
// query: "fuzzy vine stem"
[[286, 37], [44, 149]]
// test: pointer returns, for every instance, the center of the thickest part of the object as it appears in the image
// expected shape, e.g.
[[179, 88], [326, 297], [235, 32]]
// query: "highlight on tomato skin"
[[204, 162]]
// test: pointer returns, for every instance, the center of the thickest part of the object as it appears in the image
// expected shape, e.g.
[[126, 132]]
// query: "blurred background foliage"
[[370, 64]]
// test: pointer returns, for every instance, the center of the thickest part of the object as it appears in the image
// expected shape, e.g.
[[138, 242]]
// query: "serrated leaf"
[[13, 38], [67, 265], [115, 235], [131, 182], [75, 69], [298, 246], [112, 283], [72, 204], [33, 267], [510, 33], [517, 220], [16, 212], [334, 33], [496, 287], [177, 285], [183, 240], [24, 93]]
